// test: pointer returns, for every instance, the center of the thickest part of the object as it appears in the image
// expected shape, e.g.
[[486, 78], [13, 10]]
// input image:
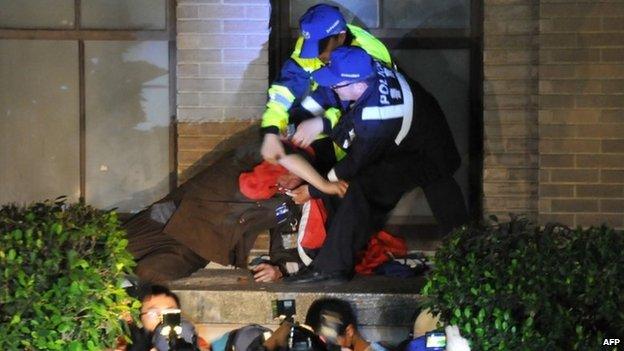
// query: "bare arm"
[[303, 169]]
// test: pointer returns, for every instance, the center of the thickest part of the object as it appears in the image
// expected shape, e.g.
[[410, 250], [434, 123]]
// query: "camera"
[[174, 333], [435, 341]]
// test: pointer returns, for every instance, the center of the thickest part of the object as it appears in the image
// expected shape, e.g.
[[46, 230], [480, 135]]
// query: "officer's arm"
[[361, 153], [323, 104], [292, 84]]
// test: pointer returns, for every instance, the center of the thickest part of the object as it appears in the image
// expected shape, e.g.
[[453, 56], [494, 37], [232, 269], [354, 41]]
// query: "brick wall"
[[510, 58], [581, 112], [222, 73]]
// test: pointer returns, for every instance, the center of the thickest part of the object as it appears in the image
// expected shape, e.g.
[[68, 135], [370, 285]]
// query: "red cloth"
[[313, 221], [377, 251], [261, 183]]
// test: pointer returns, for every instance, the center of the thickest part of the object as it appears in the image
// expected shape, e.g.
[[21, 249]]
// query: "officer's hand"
[[266, 273], [336, 188], [272, 148], [307, 131], [301, 194]]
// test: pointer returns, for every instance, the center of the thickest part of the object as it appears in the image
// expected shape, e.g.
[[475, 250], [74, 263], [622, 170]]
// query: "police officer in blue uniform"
[[396, 138]]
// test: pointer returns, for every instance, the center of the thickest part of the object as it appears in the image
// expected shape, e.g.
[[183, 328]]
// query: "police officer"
[[396, 138], [323, 28]]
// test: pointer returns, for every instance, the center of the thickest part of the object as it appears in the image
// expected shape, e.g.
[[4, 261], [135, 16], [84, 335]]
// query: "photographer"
[[162, 327], [335, 322]]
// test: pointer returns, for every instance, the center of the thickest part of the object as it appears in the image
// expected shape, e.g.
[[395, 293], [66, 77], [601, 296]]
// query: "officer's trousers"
[[372, 195]]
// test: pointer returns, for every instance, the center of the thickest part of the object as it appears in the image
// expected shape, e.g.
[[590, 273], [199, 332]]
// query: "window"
[[87, 101], [438, 43]]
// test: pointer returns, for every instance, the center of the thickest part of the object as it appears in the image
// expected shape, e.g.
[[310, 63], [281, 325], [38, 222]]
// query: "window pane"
[[37, 13], [39, 139], [364, 13], [426, 14], [127, 126], [124, 14], [445, 74]]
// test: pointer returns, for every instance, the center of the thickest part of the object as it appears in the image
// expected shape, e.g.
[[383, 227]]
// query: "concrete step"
[[221, 300]]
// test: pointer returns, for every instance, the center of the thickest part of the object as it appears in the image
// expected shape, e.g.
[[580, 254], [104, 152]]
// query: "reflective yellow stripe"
[[275, 116], [340, 153], [333, 115], [370, 44], [282, 95]]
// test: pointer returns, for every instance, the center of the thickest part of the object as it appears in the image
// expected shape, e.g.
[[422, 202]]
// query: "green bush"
[[516, 286], [61, 268]]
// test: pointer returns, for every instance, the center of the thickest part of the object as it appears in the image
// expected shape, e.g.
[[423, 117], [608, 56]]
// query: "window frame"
[[81, 35], [282, 40]]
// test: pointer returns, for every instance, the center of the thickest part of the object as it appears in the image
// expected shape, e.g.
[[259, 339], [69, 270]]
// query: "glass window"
[[37, 14], [426, 13], [445, 74], [39, 123], [358, 12], [127, 125], [124, 14]]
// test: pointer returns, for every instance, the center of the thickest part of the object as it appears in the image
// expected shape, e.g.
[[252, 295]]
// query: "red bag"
[[377, 251]]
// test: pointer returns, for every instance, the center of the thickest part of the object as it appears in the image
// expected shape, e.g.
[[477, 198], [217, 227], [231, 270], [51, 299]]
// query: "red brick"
[[609, 71], [510, 87], [188, 99], [556, 71], [199, 56], [600, 219], [187, 11], [573, 175], [510, 102], [246, 26], [187, 70], [222, 40], [570, 87], [614, 86], [574, 205], [195, 114], [497, 117], [611, 206], [513, 130], [612, 116], [510, 188], [199, 84], [199, 26], [500, 12], [571, 146], [233, 70], [556, 190], [213, 128], [613, 24], [520, 160], [612, 175], [257, 56], [600, 191], [556, 101], [510, 41], [571, 25], [249, 113], [569, 117], [612, 55], [233, 99], [557, 131], [600, 160], [221, 11], [559, 40], [202, 143], [601, 131], [571, 55], [599, 101], [556, 161], [510, 72], [613, 146], [600, 39], [252, 85]]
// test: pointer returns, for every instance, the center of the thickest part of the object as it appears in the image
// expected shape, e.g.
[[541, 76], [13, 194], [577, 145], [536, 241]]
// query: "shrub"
[[61, 268], [516, 286]]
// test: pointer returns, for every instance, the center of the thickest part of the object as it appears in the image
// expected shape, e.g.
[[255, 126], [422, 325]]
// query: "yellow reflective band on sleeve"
[[333, 115], [340, 153], [281, 95], [275, 116], [370, 44]]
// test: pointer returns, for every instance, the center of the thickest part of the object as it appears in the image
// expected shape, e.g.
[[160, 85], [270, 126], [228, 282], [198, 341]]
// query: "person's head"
[[323, 29], [333, 320], [154, 300], [347, 73]]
